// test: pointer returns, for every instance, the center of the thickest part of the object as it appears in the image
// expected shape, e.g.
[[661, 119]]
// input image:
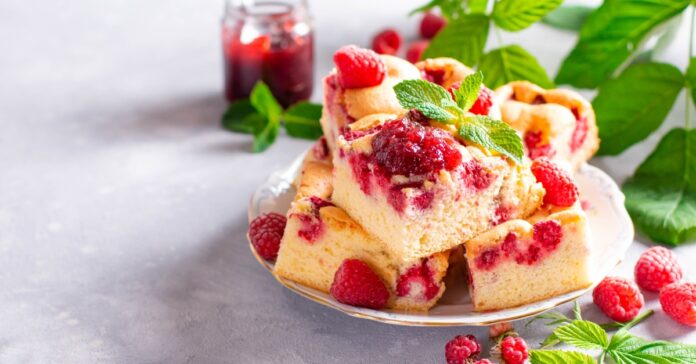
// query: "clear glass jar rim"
[[265, 8]]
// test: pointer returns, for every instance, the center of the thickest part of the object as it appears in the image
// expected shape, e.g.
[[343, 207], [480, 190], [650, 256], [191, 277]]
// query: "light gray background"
[[123, 203]]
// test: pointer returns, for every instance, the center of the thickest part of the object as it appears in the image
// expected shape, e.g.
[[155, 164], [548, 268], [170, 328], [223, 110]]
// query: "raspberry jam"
[[312, 226], [270, 41], [418, 282]]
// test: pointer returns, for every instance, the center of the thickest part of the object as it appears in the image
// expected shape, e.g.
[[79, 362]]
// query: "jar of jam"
[[270, 41]]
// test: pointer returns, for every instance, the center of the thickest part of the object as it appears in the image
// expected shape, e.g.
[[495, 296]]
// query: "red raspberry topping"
[[462, 349], [618, 298], [559, 185], [406, 148], [417, 282], [514, 350], [431, 25], [387, 41], [358, 67], [415, 50], [678, 300], [436, 76], [656, 268], [484, 101], [265, 233], [356, 284]]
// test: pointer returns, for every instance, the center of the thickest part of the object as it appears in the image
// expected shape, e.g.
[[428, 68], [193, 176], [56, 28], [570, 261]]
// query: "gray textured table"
[[123, 204]]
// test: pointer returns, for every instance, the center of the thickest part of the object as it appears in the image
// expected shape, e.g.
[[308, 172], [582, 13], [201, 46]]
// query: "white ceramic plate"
[[610, 225]]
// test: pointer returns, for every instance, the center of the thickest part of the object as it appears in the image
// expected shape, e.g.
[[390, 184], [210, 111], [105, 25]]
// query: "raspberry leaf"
[[583, 334], [493, 135], [661, 195], [515, 15], [302, 120], [478, 6], [610, 35], [468, 91], [242, 117], [430, 99], [625, 348], [263, 101], [569, 17], [559, 357], [512, 63], [462, 38]]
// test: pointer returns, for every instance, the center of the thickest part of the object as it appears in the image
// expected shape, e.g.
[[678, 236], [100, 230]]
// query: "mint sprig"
[[436, 103], [262, 116]]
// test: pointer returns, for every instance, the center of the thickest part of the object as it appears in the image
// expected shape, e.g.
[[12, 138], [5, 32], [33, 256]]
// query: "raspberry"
[[656, 268], [549, 233], [514, 350], [678, 300], [356, 284], [431, 24], [483, 103], [559, 185], [415, 50], [387, 41], [418, 279], [358, 67], [265, 233], [461, 349], [618, 298]]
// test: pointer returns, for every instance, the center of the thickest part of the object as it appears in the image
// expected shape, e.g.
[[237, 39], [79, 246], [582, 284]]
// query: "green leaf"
[[302, 120], [266, 137], [430, 99], [559, 357], [569, 17], [450, 9], [661, 195], [463, 39], [625, 348], [468, 91], [263, 101], [512, 63], [242, 117], [515, 15], [478, 6], [493, 135], [583, 334], [633, 105], [691, 78], [610, 35], [430, 5]]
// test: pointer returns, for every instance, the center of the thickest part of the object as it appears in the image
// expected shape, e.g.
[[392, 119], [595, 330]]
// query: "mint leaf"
[[583, 334], [559, 357], [691, 78], [430, 99], [302, 120], [468, 91], [569, 17], [242, 117], [512, 63], [661, 195], [515, 15], [263, 101], [462, 38], [493, 135], [266, 137], [625, 348], [610, 35], [633, 105]]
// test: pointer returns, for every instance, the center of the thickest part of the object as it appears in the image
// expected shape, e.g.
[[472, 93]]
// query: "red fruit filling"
[[532, 140], [312, 226], [436, 76], [431, 25], [418, 282], [475, 176], [387, 41], [546, 236], [415, 50], [579, 133], [483, 103], [320, 150], [502, 214], [358, 67]]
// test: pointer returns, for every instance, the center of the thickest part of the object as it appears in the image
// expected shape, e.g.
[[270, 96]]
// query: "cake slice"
[[524, 261]]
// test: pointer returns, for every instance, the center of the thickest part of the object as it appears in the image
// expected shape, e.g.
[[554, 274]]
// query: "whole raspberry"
[[484, 101], [514, 350], [415, 50], [356, 284], [618, 298], [559, 185], [358, 67], [431, 24], [387, 41], [265, 233], [678, 300], [656, 268], [462, 349]]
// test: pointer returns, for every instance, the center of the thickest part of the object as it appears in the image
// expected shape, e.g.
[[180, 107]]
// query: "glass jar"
[[270, 41]]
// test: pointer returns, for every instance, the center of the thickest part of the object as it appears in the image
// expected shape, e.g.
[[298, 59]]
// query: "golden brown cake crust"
[[452, 70]]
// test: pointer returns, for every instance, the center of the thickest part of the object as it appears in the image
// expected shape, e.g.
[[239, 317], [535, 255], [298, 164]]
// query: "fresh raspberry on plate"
[[559, 185], [431, 24], [462, 349], [265, 233], [678, 300], [387, 41], [656, 268], [356, 284], [514, 350], [618, 298], [415, 50], [358, 67], [484, 101]]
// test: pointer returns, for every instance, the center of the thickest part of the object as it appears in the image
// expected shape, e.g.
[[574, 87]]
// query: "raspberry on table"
[[387, 41], [358, 67], [415, 50], [558, 183], [484, 101], [678, 300], [431, 24], [618, 298], [356, 284], [462, 349], [514, 350], [656, 268], [265, 233]]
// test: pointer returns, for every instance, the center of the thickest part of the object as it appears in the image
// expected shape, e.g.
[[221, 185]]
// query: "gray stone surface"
[[123, 204]]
